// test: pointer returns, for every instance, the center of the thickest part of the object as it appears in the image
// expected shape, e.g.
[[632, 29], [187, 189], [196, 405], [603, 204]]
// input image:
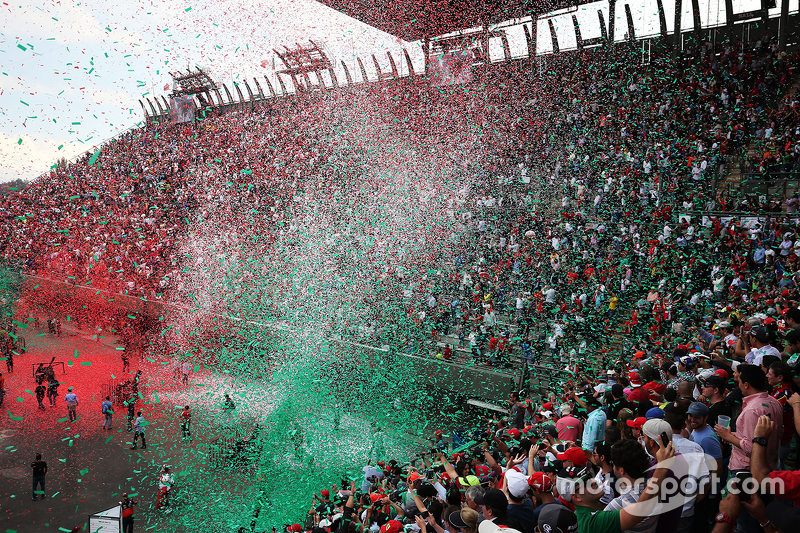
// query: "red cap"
[[375, 496], [573, 454], [437, 433], [540, 482], [658, 387], [547, 407], [413, 476], [513, 432], [769, 320], [638, 355], [296, 528], [637, 422], [722, 373], [482, 470], [392, 526], [324, 493]]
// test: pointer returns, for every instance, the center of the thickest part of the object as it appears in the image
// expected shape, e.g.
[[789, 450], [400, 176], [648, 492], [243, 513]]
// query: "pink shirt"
[[569, 428], [753, 407]]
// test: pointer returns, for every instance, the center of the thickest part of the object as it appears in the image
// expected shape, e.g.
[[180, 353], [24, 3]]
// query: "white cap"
[[517, 483], [654, 427]]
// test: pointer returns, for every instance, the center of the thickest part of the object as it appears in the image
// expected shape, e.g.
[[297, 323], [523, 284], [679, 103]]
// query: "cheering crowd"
[[579, 214]]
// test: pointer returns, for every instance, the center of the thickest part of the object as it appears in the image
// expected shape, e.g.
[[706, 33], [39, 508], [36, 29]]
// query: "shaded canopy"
[[412, 20]]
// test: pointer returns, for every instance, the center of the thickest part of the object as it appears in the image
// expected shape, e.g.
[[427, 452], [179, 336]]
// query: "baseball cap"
[[493, 498], [636, 422], [297, 528], [687, 361], [324, 493], [639, 355], [721, 372], [654, 427], [634, 379], [552, 467], [392, 526], [517, 483], [759, 332], [551, 430], [655, 412], [457, 520], [575, 455], [469, 481], [540, 482], [715, 381], [655, 386], [566, 481], [513, 433], [782, 514], [413, 476], [482, 470], [565, 410], [698, 409], [557, 519]]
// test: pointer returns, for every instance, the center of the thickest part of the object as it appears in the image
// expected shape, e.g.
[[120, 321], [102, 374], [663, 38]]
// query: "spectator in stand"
[[569, 428], [595, 424], [585, 494], [754, 345], [779, 379], [752, 382]]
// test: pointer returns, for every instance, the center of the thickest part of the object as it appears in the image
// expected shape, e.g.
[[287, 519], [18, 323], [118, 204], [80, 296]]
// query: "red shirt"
[[791, 484]]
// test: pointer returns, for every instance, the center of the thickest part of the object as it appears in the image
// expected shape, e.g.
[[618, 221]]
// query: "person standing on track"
[[108, 413], [187, 369], [52, 391], [72, 404], [186, 423], [40, 391], [131, 404], [127, 513], [139, 431], [39, 471]]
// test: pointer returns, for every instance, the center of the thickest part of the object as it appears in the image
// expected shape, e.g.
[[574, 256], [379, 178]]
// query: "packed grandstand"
[[580, 223]]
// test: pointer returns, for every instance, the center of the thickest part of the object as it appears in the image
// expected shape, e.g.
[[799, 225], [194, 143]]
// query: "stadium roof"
[[412, 20]]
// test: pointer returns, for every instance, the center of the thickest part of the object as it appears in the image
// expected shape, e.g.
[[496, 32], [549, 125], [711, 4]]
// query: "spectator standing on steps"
[[72, 404], [138, 427], [126, 506], [39, 471], [108, 413]]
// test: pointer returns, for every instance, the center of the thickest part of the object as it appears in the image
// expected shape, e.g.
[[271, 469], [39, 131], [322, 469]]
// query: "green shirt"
[[597, 521]]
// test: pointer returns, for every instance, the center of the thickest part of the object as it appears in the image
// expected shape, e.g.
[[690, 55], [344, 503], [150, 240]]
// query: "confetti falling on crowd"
[[277, 280]]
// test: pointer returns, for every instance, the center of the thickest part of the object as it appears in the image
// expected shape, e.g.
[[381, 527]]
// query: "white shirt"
[[755, 355], [698, 469]]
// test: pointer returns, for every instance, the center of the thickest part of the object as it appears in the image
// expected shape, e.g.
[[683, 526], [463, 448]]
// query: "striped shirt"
[[628, 496]]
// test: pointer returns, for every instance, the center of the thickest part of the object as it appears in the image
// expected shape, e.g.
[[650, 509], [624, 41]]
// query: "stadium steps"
[[733, 181]]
